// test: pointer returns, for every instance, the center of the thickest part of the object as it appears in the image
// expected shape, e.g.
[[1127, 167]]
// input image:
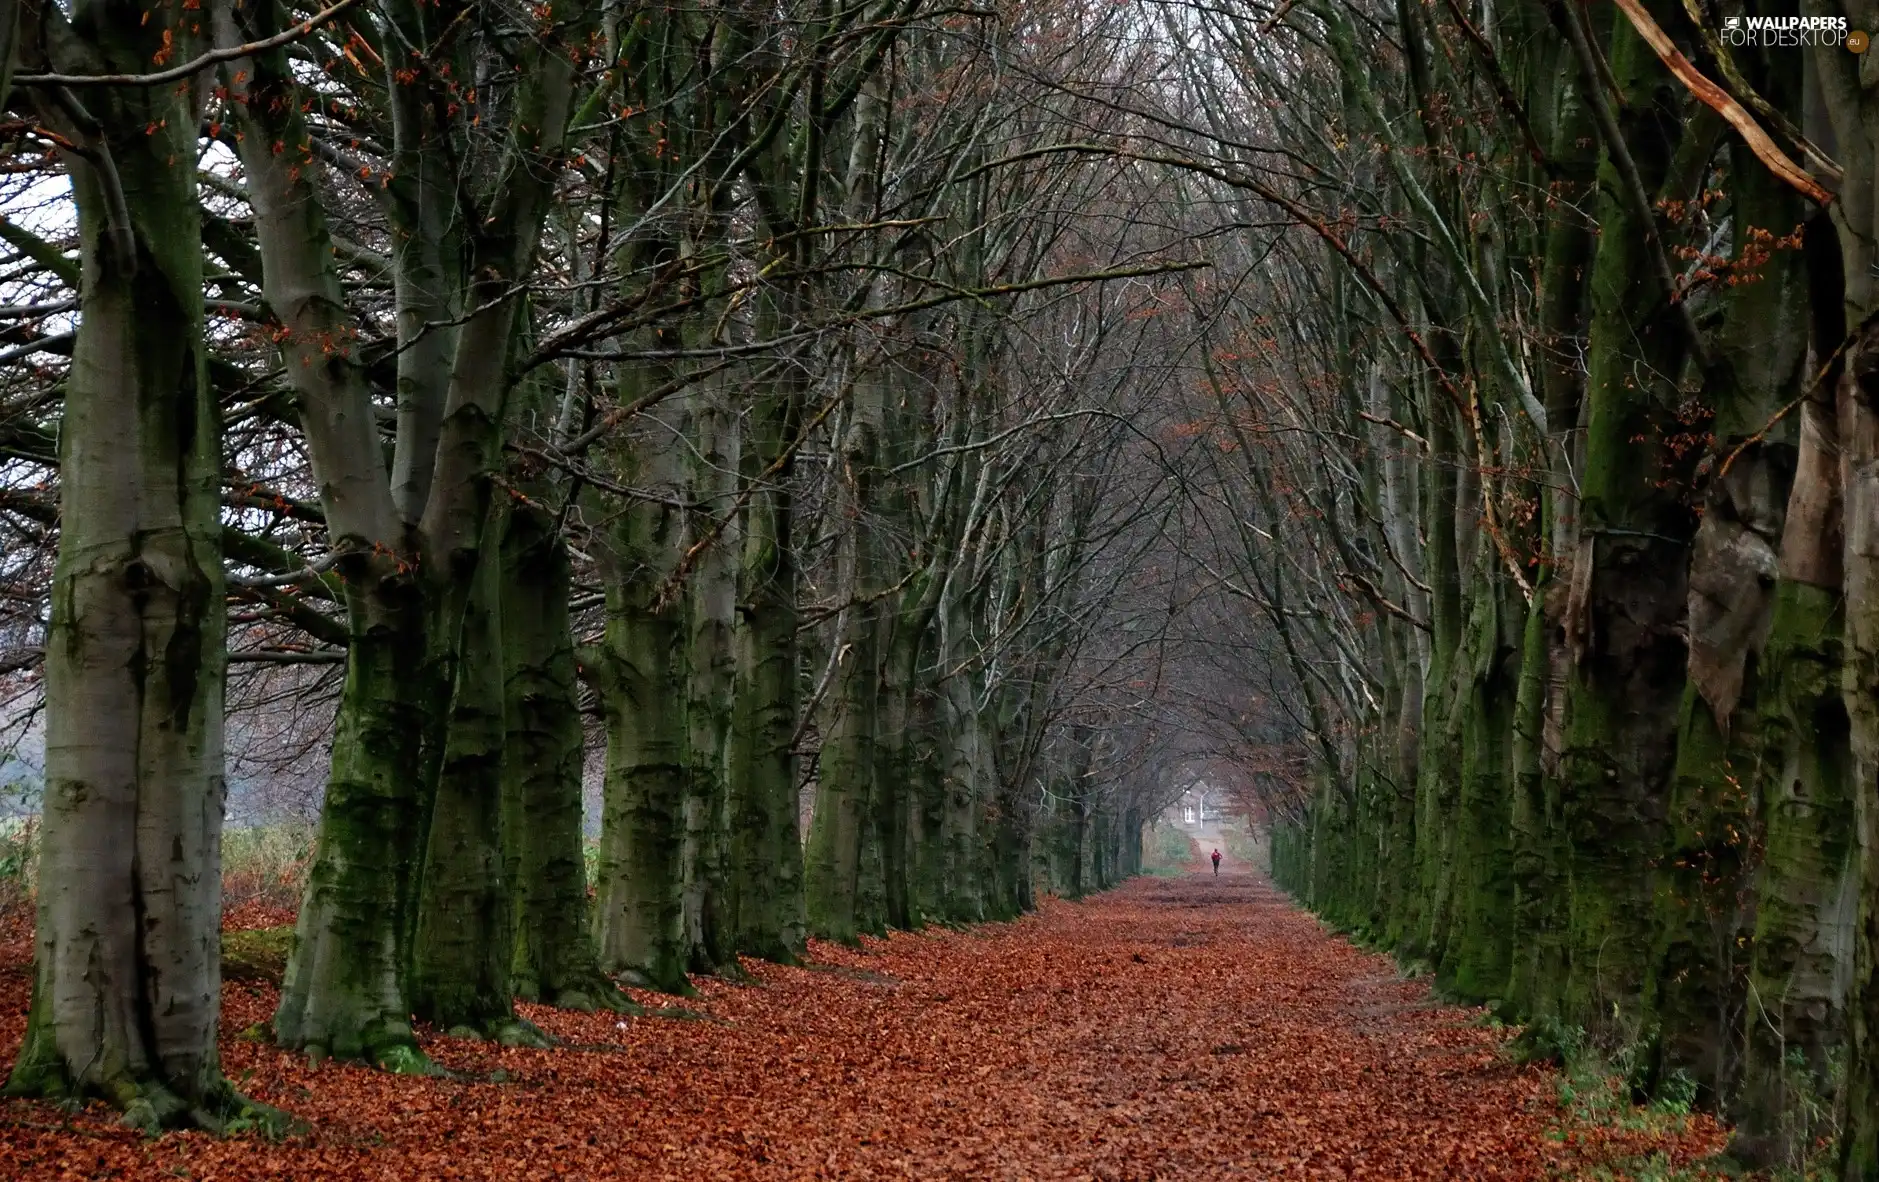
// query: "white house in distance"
[[1198, 807]]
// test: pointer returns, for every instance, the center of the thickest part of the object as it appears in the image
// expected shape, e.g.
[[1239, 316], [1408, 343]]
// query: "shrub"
[[1167, 848], [266, 864], [1547, 1040], [19, 863]]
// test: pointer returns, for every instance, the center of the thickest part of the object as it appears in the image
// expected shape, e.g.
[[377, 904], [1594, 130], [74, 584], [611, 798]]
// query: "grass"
[[1596, 1107], [19, 864], [264, 864], [1167, 851], [1626, 1140], [1247, 845]]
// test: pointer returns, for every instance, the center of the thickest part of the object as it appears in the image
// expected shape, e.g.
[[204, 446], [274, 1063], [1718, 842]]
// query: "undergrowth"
[[19, 863], [1167, 851], [1615, 1137], [264, 864], [258, 954]]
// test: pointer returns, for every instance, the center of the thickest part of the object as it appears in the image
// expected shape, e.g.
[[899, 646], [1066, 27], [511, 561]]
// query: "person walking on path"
[[1216, 863]]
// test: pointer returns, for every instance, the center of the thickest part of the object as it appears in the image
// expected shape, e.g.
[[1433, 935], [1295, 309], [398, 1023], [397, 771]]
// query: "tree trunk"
[[1806, 896], [126, 991], [765, 841], [1859, 442], [466, 924], [639, 914], [966, 777], [344, 992], [1625, 612], [1805, 889], [1477, 956], [1852, 114], [710, 933], [841, 863], [544, 752], [927, 824], [893, 798], [834, 868], [344, 989]]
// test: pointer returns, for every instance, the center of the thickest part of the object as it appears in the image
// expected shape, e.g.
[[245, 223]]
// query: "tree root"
[[682, 987], [235, 1114], [152, 1106], [778, 954], [594, 992], [510, 1031], [734, 972]]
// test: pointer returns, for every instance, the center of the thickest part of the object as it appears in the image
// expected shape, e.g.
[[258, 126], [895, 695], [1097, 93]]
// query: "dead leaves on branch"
[[1187, 1027]]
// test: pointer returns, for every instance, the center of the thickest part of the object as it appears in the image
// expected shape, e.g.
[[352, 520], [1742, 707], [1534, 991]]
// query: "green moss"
[[257, 954], [1475, 965], [1794, 1012], [1702, 892]]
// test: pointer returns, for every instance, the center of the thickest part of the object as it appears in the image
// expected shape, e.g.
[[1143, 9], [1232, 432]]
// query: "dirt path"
[[1190, 1027]]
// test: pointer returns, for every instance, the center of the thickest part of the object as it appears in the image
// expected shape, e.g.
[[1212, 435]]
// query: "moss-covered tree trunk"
[[126, 988], [766, 868], [709, 676], [894, 801], [382, 860], [841, 863], [1705, 885], [344, 992], [967, 775], [461, 952], [1852, 126], [1535, 959], [1859, 413], [1626, 602], [1007, 860], [544, 750], [1442, 689], [410, 539], [1399, 491], [1477, 955], [838, 899], [1537, 909], [639, 914], [464, 936], [926, 780], [1806, 898]]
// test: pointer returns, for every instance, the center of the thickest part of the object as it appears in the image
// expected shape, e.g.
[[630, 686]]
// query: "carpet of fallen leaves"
[[1191, 1027]]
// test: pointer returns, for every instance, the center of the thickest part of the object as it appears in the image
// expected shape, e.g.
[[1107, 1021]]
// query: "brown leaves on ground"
[[1191, 1027]]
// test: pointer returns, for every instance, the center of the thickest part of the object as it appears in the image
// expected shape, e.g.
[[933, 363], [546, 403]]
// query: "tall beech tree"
[[416, 718], [126, 994]]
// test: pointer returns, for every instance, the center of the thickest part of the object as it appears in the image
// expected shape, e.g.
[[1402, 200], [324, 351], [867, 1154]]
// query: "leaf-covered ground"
[[1186, 1027]]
